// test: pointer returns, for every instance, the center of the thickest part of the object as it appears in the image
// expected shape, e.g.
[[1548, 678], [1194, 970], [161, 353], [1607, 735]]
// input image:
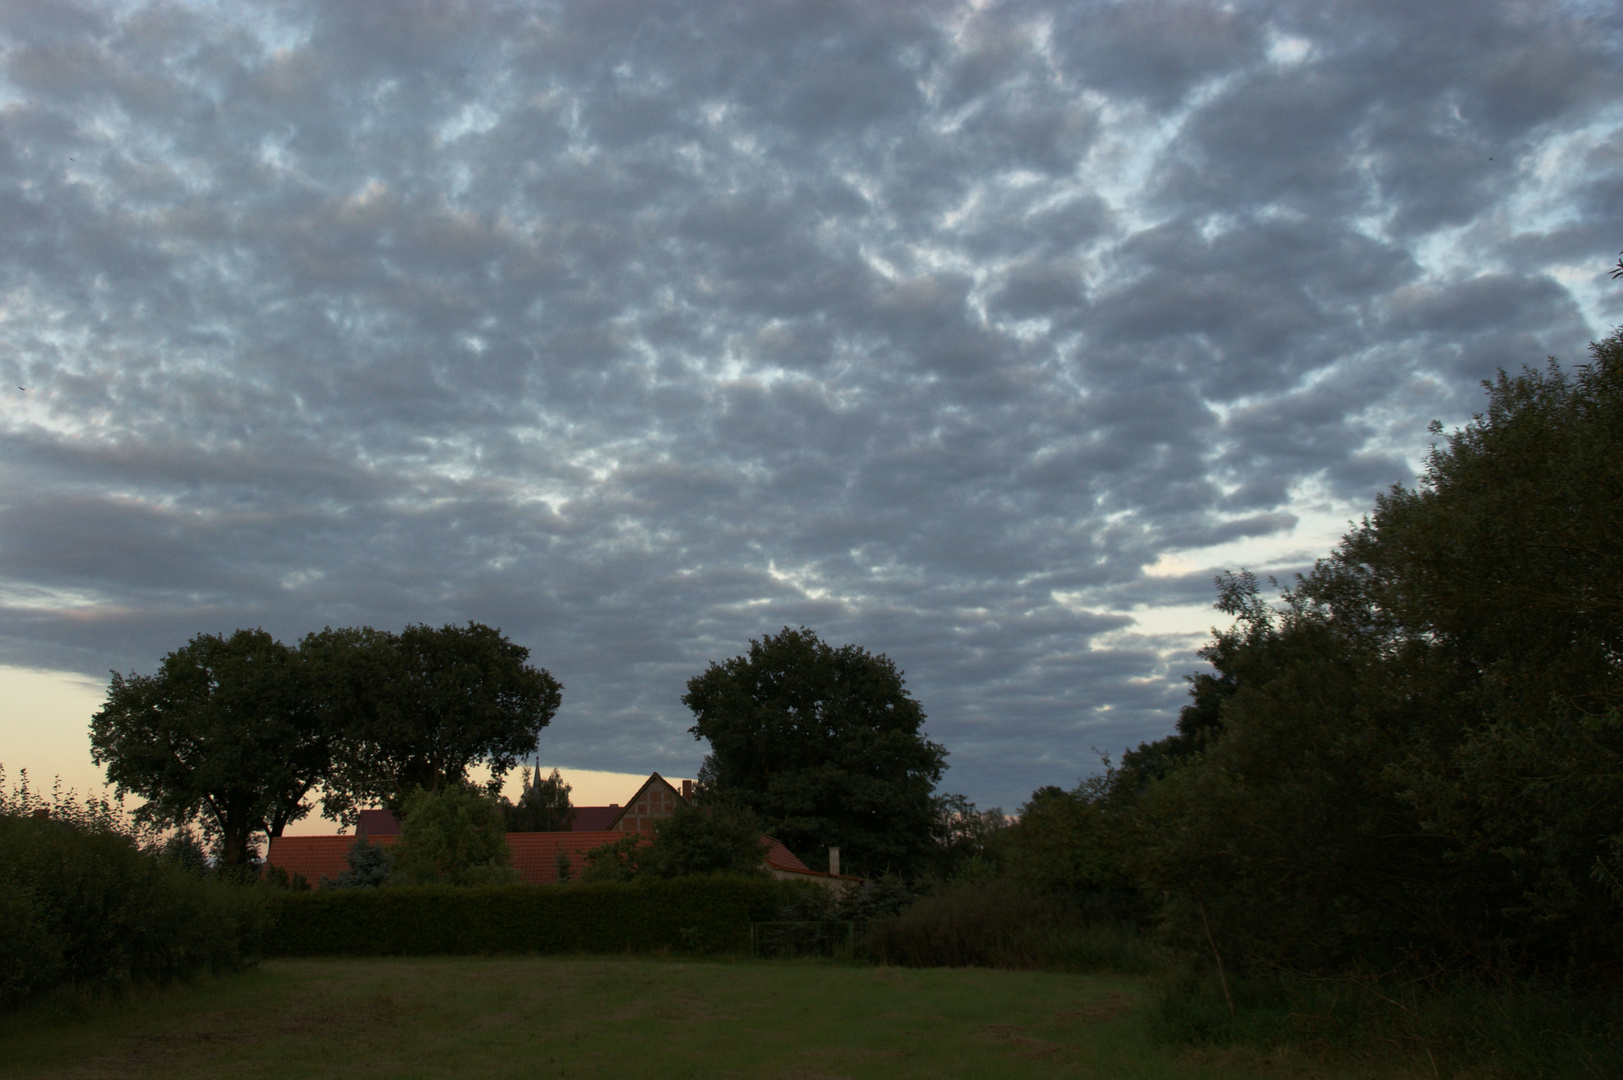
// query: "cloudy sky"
[[979, 334]]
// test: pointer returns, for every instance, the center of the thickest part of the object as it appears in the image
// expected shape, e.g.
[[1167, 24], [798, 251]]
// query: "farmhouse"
[[536, 854]]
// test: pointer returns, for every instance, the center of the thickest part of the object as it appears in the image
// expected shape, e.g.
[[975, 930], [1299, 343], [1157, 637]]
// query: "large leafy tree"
[[1419, 755], [224, 732], [419, 708], [824, 745]]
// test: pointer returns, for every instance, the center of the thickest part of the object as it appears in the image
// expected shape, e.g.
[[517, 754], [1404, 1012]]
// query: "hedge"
[[693, 914]]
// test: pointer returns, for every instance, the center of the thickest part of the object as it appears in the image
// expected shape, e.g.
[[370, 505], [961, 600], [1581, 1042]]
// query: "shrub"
[[695, 914], [370, 865], [993, 922], [453, 836], [83, 909]]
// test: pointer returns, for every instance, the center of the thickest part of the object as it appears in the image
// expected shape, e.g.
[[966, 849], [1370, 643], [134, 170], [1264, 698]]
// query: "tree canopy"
[[226, 730], [824, 745], [239, 731], [1416, 757], [417, 709]]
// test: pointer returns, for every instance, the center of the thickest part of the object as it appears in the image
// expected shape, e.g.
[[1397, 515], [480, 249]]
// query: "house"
[[536, 854]]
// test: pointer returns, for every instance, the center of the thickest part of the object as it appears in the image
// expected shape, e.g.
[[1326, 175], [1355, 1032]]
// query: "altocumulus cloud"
[[968, 332]]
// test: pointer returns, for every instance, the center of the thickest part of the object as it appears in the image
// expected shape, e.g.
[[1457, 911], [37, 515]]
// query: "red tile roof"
[[315, 856], [779, 857], [535, 855], [594, 818]]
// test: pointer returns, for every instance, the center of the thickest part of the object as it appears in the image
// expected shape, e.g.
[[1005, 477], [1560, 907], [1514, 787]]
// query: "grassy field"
[[620, 1018]]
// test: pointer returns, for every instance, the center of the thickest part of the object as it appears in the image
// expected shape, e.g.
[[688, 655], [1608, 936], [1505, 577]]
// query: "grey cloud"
[[641, 330]]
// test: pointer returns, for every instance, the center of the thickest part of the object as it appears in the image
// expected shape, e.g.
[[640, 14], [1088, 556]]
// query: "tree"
[[823, 744], [224, 733], [370, 865], [692, 841], [1420, 757], [543, 805], [452, 836], [418, 708], [706, 840]]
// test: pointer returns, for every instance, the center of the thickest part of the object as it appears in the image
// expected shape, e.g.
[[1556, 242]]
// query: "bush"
[[695, 914], [84, 910], [370, 865], [996, 923], [453, 836]]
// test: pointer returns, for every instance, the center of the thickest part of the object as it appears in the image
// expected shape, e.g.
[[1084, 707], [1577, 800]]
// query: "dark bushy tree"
[[370, 865], [543, 805], [225, 732], [1419, 755], [824, 745], [419, 708], [452, 836]]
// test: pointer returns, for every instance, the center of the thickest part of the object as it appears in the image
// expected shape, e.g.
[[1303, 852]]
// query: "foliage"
[[1073, 847], [615, 860], [225, 733], [824, 745], [994, 922], [452, 836], [717, 839], [83, 908], [698, 914], [543, 805], [966, 838], [1415, 761], [418, 708], [370, 865], [693, 840]]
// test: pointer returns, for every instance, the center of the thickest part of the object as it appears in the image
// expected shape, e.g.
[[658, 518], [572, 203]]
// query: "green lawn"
[[620, 1018]]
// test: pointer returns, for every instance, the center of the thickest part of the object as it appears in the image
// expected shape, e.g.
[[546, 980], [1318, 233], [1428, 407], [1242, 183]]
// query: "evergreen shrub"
[[711, 913]]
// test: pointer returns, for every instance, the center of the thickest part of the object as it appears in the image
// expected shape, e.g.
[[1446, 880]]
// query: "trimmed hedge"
[[692, 914]]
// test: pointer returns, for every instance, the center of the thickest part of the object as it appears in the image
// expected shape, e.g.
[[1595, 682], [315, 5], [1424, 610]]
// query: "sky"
[[981, 335]]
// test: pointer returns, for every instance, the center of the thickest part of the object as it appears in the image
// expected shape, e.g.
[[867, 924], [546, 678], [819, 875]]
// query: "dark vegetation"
[[85, 911], [1388, 823], [236, 733], [823, 745], [701, 914], [1390, 819]]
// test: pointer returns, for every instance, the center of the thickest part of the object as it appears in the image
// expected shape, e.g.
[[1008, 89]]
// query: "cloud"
[[641, 330]]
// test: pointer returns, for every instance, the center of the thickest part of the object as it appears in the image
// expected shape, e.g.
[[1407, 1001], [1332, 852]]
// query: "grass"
[[622, 1018]]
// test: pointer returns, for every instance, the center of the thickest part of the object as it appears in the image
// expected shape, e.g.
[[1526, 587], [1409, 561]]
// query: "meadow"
[[625, 1017]]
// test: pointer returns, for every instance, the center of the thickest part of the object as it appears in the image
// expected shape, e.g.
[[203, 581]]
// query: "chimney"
[[834, 861], [687, 790]]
